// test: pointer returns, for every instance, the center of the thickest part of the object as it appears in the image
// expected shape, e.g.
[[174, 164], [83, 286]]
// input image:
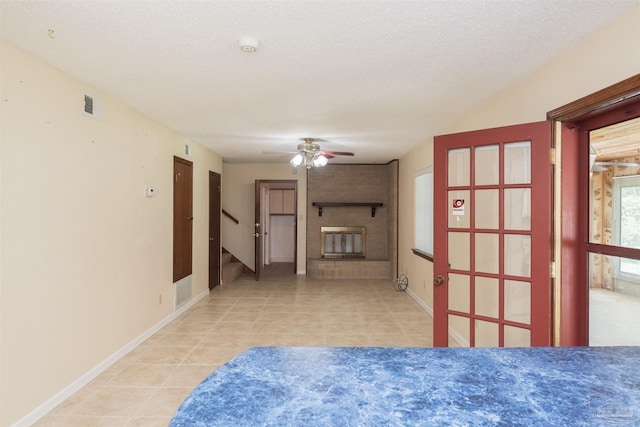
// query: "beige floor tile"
[[283, 309], [341, 340], [162, 355], [82, 421], [346, 328], [317, 317], [225, 339], [143, 375], [306, 325], [383, 327], [385, 316], [115, 401], [251, 301], [424, 340], [147, 386], [276, 327], [164, 402], [189, 376], [241, 316], [72, 404], [415, 328], [180, 340], [197, 326], [308, 340], [389, 340], [148, 422], [344, 318], [115, 369], [230, 326], [212, 356]]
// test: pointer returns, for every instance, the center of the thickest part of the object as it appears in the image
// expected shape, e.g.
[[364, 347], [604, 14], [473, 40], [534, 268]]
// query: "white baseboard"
[[46, 407], [421, 303]]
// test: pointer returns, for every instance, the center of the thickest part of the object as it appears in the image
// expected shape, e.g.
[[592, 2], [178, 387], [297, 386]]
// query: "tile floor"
[[146, 387]]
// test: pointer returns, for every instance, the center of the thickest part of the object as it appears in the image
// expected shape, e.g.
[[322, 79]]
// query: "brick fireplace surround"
[[340, 183]]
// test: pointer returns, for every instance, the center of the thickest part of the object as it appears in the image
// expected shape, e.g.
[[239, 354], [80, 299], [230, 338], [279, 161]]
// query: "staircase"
[[231, 268]]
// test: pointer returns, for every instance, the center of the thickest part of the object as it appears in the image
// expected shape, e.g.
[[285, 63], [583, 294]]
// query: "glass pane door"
[[488, 233], [614, 232]]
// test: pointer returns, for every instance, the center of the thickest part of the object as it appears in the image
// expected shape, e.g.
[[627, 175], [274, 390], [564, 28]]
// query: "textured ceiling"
[[376, 78]]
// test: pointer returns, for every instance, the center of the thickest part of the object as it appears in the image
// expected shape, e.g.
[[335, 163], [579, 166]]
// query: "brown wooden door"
[[492, 237], [182, 218], [214, 230]]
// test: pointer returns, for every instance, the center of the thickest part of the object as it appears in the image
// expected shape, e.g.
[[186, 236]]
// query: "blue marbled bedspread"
[[297, 386]]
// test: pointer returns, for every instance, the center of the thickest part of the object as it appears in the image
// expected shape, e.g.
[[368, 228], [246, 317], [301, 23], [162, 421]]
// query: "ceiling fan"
[[310, 155]]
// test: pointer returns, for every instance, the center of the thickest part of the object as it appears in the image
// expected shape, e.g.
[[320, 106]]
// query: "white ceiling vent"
[[93, 106]]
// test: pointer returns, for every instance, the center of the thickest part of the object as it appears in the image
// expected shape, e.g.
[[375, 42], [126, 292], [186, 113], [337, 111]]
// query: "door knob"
[[190, 218], [257, 235], [438, 280]]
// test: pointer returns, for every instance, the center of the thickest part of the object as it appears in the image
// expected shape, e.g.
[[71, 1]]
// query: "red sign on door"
[[458, 206]]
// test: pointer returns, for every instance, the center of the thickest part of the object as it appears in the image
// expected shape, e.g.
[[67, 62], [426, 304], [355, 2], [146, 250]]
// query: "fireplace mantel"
[[321, 205]]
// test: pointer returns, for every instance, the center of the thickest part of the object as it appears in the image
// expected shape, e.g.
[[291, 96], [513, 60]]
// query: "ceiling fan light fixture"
[[310, 155], [296, 160], [319, 161]]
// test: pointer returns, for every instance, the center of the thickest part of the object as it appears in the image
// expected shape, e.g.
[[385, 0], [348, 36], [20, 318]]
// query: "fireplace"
[[343, 242]]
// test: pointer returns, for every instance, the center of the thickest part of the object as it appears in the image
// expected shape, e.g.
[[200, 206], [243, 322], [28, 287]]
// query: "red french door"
[[492, 237]]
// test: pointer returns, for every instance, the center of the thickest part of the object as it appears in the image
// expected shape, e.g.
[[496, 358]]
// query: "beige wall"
[[602, 59], [418, 270], [86, 257], [238, 198]]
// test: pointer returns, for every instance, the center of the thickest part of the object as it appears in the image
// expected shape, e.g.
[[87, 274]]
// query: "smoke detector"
[[249, 44]]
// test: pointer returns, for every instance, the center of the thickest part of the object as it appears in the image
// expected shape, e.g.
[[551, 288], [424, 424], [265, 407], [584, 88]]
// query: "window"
[[423, 200], [626, 208]]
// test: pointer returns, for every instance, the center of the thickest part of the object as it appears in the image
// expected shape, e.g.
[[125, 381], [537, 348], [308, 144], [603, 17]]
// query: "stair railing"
[[231, 217]]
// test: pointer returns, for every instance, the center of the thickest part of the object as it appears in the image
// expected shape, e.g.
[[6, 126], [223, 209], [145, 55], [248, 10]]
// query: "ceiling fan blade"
[[337, 153]]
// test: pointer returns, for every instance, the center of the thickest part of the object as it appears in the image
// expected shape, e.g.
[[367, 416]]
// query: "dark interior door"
[[214, 230], [182, 218]]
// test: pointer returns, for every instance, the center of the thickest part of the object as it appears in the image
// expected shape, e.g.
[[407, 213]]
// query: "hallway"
[[146, 387]]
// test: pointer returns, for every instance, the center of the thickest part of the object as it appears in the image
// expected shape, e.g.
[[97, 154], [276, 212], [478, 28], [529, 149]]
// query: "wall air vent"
[[88, 104], [93, 107]]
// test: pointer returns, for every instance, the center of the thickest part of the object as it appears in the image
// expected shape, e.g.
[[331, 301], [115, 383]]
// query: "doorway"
[[275, 227], [583, 248], [614, 209]]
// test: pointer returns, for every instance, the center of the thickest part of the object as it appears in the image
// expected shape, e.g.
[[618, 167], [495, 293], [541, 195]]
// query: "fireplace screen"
[[343, 242]]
